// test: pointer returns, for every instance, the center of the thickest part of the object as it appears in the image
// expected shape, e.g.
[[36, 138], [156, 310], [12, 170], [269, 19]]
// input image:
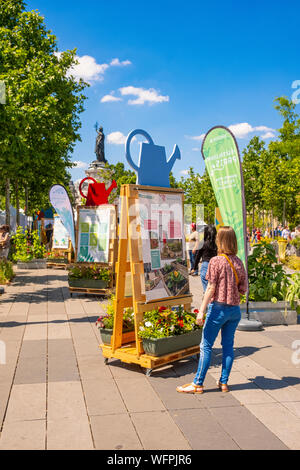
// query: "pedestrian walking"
[[206, 253], [226, 276], [193, 247], [4, 241]]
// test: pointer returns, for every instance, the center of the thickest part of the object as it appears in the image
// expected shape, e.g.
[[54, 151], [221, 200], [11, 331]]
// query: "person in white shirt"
[[285, 233], [193, 246]]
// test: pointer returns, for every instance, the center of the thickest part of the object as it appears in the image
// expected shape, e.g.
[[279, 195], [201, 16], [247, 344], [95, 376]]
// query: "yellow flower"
[[175, 273]]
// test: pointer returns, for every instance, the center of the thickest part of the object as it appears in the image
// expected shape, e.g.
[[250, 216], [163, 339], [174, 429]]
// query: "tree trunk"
[[26, 204], [283, 214], [253, 218], [17, 205], [7, 202]]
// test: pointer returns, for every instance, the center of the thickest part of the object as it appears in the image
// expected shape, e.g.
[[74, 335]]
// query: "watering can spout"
[[175, 156]]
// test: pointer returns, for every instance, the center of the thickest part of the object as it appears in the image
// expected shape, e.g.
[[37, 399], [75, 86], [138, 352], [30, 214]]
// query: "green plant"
[[293, 292], [296, 243], [267, 278], [92, 271], [163, 322], [27, 245], [6, 271], [107, 321], [292, 262]]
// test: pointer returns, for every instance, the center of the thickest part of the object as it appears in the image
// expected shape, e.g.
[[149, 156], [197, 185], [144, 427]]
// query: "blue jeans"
[[192, 259], [203, 271], [219, 317]]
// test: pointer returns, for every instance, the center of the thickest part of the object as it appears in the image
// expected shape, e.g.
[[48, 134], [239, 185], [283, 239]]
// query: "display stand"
[[128, 347], [112, 250], [55, 265]]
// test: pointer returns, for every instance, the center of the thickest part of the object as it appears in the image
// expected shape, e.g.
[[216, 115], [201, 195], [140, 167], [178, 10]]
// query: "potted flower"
[[165, 330], [91, 276], [28, 251], [56, 257], [105, 323], [270, 295]]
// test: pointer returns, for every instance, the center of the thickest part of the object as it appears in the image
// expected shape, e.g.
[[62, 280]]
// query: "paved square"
[[57, 393]]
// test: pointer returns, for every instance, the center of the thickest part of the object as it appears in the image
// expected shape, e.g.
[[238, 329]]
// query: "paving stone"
[[246, 430], [166, 390], [33, 348], [61, 347], [279, 420], [69, 434], [202, 430], [138, 395], [4, 397], [27, 402], [62, 369], [244, 390], [24, 435], [112, 432], [31, 370], [93, 368], [103, 397], [65, 400], [86, 346], [158, 431]]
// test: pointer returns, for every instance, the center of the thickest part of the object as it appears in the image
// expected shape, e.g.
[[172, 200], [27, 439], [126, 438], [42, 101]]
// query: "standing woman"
[[227, 279], [4, 241], [206, 253]]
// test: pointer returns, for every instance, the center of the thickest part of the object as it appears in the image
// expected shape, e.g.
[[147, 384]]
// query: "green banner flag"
[[222, 160]]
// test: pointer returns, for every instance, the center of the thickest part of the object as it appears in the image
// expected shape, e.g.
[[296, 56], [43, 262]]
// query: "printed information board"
[[60, 235], [94, 232], [163, 245]]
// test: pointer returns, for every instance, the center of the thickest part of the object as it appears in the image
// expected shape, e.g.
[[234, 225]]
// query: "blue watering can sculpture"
[[153, 168]]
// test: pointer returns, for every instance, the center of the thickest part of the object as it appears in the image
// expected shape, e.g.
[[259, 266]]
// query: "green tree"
[[39, 123]]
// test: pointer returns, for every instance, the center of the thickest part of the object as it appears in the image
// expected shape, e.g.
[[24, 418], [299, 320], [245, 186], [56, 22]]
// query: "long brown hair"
[[226, 241]]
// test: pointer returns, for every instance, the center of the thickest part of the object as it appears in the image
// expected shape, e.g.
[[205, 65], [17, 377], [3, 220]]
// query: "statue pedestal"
[[96, 170]]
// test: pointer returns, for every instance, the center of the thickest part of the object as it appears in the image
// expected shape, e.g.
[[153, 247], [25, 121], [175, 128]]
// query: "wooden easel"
[[128, 347]]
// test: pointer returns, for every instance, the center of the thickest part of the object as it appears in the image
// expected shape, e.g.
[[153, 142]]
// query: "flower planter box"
[[88, 283], [57, 260], [106, 336], [270, 313], [33, 264], [162, 346]]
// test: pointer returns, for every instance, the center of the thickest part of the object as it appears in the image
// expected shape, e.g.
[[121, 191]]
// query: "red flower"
[[196, 310], [161, 309], [180, 323]]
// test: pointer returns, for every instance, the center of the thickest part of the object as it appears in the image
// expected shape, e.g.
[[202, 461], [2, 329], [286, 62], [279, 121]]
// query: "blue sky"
[[176, 69]]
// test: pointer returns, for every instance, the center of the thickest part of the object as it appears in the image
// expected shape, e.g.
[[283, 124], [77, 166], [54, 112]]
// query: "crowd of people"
[[281, 231]]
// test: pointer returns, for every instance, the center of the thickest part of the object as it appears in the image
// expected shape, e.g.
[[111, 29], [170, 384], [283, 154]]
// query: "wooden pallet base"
[[57, 265], [127, 353], [84, 290]]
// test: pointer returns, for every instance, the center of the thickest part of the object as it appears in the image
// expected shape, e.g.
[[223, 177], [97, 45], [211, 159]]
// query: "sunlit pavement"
[[57, 393]]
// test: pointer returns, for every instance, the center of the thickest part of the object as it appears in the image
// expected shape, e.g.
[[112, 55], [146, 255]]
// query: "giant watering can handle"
[[128, 142], [81, 183]]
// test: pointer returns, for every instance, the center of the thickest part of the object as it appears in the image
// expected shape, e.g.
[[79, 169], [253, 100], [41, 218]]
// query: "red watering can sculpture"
[[97, 193]]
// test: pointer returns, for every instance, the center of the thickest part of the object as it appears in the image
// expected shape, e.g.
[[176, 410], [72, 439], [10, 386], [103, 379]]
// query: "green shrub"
[[92, 271], [27, 246], [6, 271]]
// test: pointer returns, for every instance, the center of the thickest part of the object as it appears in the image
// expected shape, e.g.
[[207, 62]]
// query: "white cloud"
[[184, 172], [80, 164], [117, 63], [149, 96], [268, 135], [195, 149], [88, 69], [110, 99], [116, 138], [241, 130], [198, 138]]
